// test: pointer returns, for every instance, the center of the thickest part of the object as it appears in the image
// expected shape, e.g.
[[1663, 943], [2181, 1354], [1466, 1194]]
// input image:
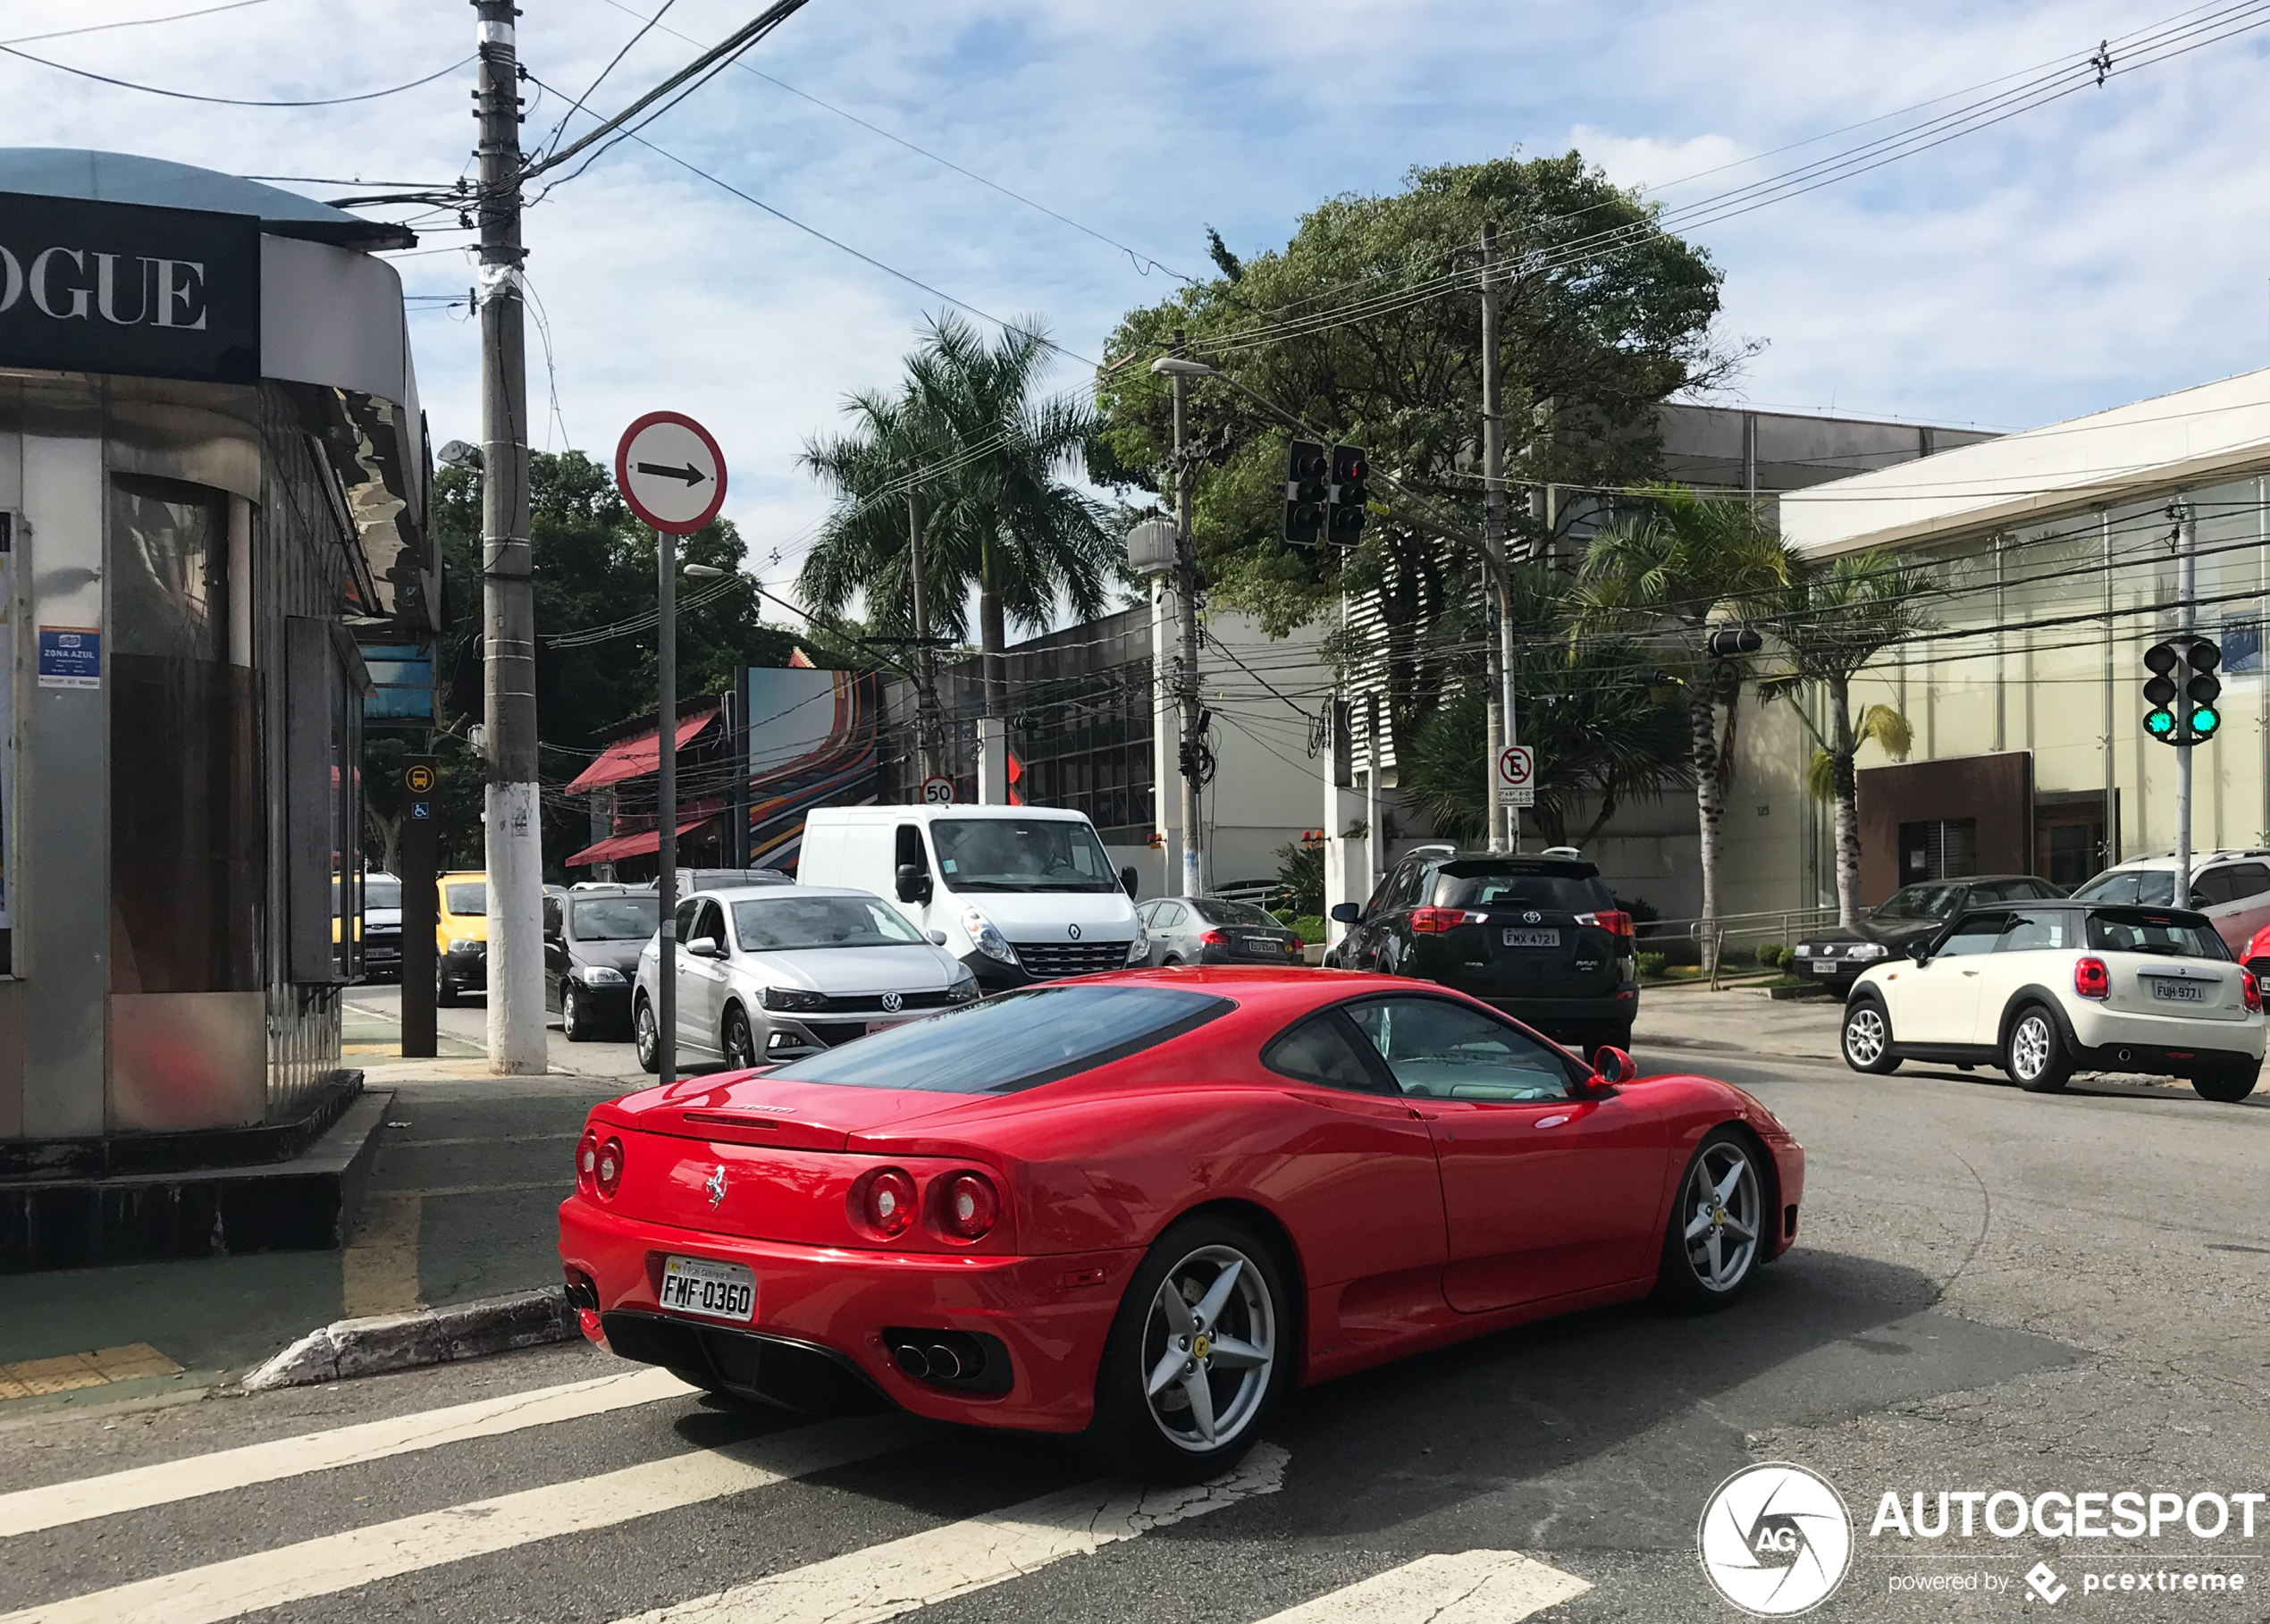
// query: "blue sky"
[[2110, 246]]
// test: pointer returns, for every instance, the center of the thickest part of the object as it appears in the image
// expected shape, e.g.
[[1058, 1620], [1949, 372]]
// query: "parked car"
[[1045, 1211], [1835, 956], [461, 938], [381, 926], [2047, 991], [1020, 893], [593, 939], [767, 973], [1214, 930], [690, 880], [2232, 888], [1539, 938]]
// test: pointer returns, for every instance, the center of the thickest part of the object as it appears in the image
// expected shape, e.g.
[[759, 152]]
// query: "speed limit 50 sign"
[[1516, 778]]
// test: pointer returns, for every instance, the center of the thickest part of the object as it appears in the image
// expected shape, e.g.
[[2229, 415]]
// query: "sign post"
[[671, 474], [1515, 777], [421, 902]]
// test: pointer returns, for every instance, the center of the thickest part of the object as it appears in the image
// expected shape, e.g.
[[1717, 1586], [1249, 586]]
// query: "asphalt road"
[[1991, 1292]]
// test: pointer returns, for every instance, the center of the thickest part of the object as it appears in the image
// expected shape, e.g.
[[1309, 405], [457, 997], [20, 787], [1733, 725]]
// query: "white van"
[[1018, 893]]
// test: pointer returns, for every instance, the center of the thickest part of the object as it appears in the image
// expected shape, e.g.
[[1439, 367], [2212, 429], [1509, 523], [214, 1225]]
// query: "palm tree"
[[956, 482], [1667, 578], [1832, 622]]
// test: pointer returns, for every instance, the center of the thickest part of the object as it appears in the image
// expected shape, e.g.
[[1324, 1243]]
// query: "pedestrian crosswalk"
[[776, 1512]]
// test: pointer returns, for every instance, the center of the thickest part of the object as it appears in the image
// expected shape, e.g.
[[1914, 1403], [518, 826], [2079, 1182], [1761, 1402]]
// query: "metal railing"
[[1782, 926]]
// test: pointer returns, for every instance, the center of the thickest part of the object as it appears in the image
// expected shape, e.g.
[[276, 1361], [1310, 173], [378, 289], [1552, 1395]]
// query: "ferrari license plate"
[[722, 1291], [1548, 938], [2168, 990]]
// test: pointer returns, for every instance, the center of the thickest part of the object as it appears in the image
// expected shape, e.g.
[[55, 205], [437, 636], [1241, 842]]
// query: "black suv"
[[1540, 937]]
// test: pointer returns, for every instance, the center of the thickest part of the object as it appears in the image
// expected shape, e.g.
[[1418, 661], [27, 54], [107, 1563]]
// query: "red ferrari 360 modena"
[[1142, 1206]]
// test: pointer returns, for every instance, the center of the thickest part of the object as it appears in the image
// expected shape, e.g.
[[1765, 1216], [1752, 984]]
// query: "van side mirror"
[[1129, 881], [1347, 913], [913, 883]]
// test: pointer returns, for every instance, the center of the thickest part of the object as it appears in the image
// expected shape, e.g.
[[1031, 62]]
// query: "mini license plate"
[[722, 1291], [1824, 966], [1532, 939], [2169, 990]]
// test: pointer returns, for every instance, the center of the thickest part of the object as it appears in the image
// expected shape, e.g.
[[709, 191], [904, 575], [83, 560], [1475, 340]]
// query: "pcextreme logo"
[[1775, 1540]]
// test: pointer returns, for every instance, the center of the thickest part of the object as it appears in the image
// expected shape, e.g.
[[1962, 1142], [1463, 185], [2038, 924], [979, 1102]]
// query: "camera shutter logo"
[[1775, 1540]]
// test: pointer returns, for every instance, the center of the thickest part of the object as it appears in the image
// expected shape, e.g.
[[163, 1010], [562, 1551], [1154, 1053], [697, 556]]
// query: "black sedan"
[[591, 943], [1835, 956], [1215, 931]]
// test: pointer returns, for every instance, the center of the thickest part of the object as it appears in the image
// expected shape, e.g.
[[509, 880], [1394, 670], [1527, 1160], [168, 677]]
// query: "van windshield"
[[1022, 855]]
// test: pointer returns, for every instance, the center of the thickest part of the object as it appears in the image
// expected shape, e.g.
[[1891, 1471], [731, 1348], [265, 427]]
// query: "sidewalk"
[[1738, 1020], [460, 1205]]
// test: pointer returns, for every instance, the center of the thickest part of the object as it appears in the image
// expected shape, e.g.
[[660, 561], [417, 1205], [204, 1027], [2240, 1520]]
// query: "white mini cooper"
[[2044, 990]]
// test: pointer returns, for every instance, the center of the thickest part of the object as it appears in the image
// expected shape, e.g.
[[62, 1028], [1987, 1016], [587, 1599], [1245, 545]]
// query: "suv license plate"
[[1532, 939], [2169, 990], [722, 1291]]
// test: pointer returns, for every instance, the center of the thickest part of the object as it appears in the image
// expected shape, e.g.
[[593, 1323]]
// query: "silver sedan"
[[768, 973]]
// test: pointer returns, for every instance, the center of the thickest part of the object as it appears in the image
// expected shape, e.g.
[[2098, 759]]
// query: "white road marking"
[[885, 1581], [341, 1561], [1471, 1587], [28, 1510]]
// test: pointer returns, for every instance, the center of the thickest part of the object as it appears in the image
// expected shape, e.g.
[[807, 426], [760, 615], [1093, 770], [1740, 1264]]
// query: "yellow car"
[[461, 938]]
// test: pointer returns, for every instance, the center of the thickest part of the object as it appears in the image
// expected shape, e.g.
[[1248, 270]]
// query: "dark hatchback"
[[1834, 957], [1215, 931], [1540, 937], [591, 943]]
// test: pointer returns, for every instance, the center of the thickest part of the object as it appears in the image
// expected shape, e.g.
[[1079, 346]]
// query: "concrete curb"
[[351, 1347]]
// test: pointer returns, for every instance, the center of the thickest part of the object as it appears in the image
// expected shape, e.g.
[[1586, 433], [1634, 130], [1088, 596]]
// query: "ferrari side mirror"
[[1612, 1065]]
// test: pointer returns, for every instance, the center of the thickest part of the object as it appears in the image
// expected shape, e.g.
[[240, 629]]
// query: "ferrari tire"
[[1719, 1227], [2226, 1087], [2033, 1052], [575, 1020], [1198, 1354], [646, 1037], [734, 1040], [1866, 1040]]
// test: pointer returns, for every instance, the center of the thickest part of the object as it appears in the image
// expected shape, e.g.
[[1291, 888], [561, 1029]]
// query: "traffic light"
[[1305, 466], [2192, 661], [1735, 640], [1344, 511]]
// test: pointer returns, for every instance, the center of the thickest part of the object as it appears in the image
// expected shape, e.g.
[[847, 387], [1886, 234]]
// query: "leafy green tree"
[[1832, 621], [594, 567], [1368, 324], [988, 463], [1663, 578]]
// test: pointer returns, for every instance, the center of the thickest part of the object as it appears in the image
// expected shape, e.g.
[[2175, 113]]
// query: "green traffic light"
[[2205, 720], [2160, 724]]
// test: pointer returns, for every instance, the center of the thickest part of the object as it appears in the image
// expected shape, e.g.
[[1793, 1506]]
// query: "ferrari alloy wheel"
[[1711, 1246], [575, 1023], [734, 1041], [1196, 1356], [2034, 1054], [1868, 1038], [647, 1037]]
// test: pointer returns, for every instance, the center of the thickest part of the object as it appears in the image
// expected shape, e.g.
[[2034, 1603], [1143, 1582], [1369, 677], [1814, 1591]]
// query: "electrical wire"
[[131, 23], [645, 25], [230, 101]]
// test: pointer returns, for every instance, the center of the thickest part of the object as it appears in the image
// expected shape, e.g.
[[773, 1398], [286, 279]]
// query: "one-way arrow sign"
[[670, 472]]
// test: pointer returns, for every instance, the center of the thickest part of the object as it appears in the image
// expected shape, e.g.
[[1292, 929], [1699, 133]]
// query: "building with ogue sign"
[[213, 483]]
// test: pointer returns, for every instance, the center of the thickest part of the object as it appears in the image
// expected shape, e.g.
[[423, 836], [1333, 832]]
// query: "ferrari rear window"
[[1019, 1041]]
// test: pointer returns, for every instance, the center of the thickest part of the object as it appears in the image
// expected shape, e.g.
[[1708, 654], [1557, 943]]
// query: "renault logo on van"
[[1072, 931]]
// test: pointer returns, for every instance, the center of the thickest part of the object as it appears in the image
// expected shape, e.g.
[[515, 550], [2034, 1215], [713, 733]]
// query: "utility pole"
[[1186, 589], [513, 832], [1493, 536], [925, 670], [2186, 587]]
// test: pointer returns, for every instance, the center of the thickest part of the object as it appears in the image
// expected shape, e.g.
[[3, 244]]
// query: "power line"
[[131, 23], [230, 101], [646, 24]]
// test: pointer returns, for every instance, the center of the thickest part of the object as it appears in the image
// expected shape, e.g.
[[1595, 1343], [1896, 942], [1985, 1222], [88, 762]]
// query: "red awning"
[[631, 845], [634, 758]]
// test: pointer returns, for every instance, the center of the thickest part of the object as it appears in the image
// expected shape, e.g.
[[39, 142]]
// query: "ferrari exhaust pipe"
[[912, 1359], [945, 1363]]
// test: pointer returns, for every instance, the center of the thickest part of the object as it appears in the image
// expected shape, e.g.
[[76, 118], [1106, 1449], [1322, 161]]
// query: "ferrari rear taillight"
[[2253, 989], [1614, 921], [609, 1173], [2092, 978], [587, 1162], [885, 1201], [967, 1205], [1215, 938], [1434, 921]]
